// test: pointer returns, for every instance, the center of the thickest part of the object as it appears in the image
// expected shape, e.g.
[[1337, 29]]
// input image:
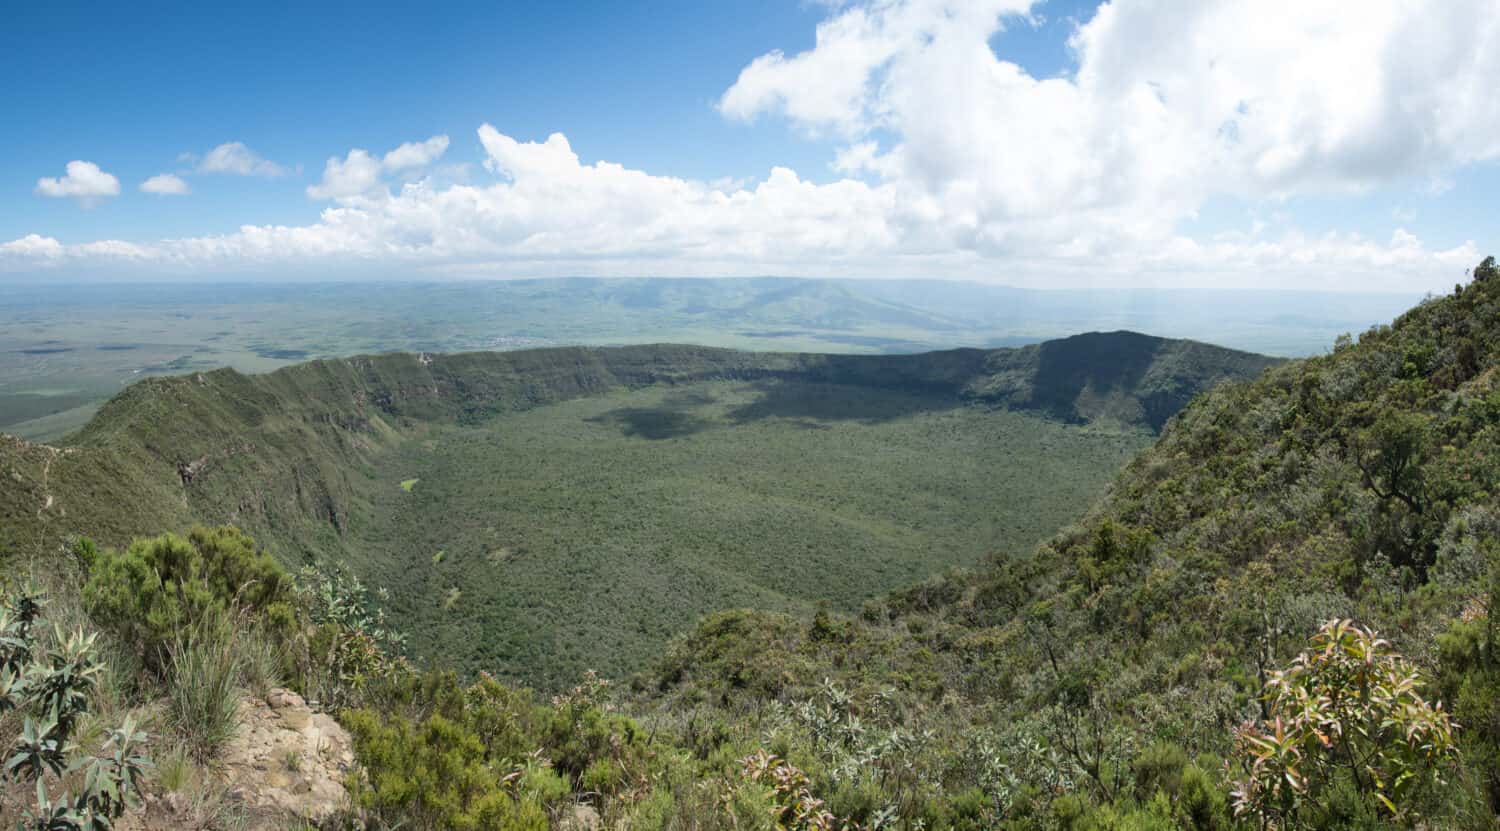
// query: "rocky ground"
[[285, 768]]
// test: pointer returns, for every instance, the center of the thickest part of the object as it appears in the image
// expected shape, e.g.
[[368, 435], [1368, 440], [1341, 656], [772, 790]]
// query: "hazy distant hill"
[[67, 349]]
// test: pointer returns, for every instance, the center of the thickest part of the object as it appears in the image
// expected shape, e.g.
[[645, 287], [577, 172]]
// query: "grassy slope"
[[1261, 512]]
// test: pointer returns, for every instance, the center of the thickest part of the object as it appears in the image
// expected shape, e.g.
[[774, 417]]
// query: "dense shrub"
[[1094, 685], [440, 754], [160, 586], [435, 774], [1470, 660], [348, 645]]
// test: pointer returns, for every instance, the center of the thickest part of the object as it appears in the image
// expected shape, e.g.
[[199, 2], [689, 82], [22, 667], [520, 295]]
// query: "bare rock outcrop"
[[285, 767], [288, 761]]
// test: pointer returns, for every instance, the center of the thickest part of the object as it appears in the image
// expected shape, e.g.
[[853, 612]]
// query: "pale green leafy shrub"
[[53, 686]]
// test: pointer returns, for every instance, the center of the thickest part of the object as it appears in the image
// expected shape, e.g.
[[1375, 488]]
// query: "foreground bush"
[[52, 683], [1347, 718], [1470, 652], [348, 646], [161, 586], [469, 757]]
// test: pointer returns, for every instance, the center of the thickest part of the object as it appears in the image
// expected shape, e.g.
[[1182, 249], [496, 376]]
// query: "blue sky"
[[1035, 143], [134, 86]]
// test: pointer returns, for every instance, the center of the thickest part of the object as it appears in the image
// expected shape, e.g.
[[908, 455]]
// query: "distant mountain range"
[[69, 348]]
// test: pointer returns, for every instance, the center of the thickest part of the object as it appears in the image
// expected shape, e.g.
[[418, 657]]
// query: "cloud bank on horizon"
[[951, 161]]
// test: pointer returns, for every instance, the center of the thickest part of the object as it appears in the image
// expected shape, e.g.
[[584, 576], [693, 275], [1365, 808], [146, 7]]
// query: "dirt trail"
[[48, 500]]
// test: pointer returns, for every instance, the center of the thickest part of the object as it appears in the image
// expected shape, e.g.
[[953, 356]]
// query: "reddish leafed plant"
[[1347, 712]]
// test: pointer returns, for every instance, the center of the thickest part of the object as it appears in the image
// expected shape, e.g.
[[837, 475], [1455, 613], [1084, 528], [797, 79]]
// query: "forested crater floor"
[[540, 513]]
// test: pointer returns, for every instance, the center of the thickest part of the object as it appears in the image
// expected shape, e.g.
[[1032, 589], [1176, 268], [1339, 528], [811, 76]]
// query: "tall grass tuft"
[[263, 660], [203, 692], [174, 769]]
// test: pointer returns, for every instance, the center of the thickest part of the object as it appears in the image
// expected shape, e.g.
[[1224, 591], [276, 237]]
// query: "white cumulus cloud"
[[235, 158], [84, 181], [551, 213], [166, 184], [416, 154], [359, 175], [832, 84], [958, 162], [32, 247], [1169, 105], [355, 175]]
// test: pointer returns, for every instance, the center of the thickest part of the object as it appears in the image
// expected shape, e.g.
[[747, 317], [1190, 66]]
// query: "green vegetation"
[[1183, 657], [707, 478], [1347, 714], [626, 517], [1103, 682], [486, 756], [52, 683], [245, 623], [168, 593], [204, 670]]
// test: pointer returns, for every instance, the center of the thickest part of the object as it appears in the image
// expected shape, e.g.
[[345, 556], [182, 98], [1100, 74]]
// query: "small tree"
[[1389, 453], [1347, 714]]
